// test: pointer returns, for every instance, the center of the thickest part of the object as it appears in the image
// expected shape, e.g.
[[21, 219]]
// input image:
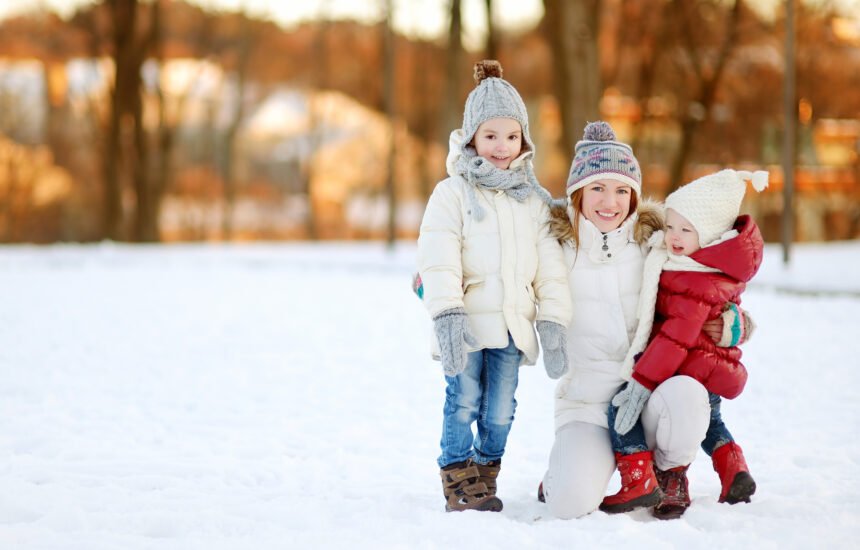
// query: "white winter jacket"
[[506, 270], [604, 284]]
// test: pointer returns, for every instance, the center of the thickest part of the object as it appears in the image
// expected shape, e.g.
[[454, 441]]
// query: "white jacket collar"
[[602, 247]]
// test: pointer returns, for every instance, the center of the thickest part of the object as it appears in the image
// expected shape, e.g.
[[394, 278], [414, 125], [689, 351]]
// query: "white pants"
[[581, 463]]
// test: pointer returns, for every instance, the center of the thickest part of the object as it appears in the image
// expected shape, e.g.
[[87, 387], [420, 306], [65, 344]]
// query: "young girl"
[[706, 257], [487, 261], [604, 230]]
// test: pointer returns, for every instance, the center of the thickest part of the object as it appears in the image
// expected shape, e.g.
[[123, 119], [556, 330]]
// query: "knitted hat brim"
[[608, 175]]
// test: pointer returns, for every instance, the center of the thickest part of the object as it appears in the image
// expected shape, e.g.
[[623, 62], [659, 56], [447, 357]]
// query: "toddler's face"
[[499, 140], [606, 203], [681, 239]]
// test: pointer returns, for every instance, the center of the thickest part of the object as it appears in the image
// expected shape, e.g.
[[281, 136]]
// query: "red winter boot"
[[729, 463], [638, 484], [676, 493]]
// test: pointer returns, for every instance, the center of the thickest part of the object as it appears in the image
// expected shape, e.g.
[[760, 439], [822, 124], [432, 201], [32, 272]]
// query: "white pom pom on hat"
[[712, 203]]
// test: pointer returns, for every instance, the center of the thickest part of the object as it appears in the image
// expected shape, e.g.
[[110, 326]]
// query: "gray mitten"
[[553, 341], [452, 330], [630, 402]]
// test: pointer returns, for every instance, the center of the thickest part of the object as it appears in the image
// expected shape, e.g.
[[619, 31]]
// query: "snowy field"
[[282, 396]]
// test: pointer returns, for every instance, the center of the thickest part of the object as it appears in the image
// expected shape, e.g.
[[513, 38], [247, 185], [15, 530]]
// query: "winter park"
[[282, 396], [429, 274]]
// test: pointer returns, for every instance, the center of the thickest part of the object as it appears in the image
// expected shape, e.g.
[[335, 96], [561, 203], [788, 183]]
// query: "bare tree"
[[573, 28], [454, 60], [388, 94], [492, 43], [244, 46], [130, 47], [705, 77]]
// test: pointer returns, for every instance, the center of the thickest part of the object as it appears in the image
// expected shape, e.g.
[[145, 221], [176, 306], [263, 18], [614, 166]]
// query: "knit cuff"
[[733, 327]]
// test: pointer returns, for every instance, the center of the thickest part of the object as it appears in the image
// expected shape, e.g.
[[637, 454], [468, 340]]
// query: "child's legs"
[[630, 443], [462, 404], [675, 420], [500, 377], [580, 467], [718, 435]]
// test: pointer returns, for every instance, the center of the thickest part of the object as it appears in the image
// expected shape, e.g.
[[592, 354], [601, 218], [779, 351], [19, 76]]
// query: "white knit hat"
[[493, 97], [599, 155], [712, 203]]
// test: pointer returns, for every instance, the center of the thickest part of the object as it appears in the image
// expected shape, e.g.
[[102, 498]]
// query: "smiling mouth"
[[677, 249], [606, 216]]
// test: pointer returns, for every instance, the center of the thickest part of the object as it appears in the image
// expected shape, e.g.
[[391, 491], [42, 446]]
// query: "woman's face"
[[606, 203]]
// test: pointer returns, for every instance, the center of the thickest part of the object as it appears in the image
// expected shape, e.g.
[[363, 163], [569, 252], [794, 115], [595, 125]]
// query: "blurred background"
[[237, 120]]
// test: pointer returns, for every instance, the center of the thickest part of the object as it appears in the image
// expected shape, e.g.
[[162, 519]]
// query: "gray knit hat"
[[600, 156], [493, 97]]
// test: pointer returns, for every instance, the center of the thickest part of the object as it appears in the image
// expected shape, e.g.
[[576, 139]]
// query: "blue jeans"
[[717, 434], [634, 440], [483, 392]]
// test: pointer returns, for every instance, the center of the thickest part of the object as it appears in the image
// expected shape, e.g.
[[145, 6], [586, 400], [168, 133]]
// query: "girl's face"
[[499, 140], [606, 203], [681, 239]]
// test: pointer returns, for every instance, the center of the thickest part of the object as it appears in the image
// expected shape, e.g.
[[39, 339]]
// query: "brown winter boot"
[[489, 472], [738, 484], [638, 485], [676, 493], [464, 491]]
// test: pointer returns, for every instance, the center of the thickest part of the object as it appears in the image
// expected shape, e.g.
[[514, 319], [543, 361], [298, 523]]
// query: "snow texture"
[[282, 396]]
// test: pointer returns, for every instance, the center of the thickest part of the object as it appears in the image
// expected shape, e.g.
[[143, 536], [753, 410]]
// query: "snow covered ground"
[[281, 396]]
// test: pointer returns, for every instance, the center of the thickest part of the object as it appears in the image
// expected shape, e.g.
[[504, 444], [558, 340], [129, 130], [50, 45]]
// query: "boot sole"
[[743, 487], [492, 504], [651, 499], [669, 512]]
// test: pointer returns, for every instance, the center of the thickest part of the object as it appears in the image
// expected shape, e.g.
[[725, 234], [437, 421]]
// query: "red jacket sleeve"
[[669, 347]]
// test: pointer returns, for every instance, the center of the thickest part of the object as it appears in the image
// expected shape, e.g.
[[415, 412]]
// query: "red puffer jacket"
[[685, 300]]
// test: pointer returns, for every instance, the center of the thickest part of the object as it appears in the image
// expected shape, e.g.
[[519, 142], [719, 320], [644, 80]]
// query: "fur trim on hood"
[[650, 219]]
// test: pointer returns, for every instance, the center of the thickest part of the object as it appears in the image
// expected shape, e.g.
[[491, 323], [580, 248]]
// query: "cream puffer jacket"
[[506, 270], [604, 285]]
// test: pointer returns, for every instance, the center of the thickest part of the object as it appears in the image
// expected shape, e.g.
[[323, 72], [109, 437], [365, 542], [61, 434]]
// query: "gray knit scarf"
[[518, 182]]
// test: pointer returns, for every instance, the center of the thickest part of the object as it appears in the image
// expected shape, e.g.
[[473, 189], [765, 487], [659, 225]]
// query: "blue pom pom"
[[598, 131]]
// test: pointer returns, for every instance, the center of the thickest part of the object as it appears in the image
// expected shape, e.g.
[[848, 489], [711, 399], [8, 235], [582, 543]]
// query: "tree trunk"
[[451, 115], [573, 26], [388, 94], [229, 174], [492, 44], [699, 108], [124, 18]]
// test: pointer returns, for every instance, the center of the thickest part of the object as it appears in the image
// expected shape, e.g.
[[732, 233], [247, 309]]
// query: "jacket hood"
[[649, 219], [739, 257]]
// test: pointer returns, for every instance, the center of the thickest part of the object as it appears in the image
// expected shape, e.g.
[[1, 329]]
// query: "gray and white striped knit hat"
[[493, 97], [600, 156]]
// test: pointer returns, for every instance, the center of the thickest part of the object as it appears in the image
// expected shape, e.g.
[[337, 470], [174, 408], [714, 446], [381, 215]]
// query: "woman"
[[604, 231]]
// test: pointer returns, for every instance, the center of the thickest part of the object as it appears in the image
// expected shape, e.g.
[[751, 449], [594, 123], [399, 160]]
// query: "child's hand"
[[553, 340], [630, 402], [452, 330], [730, 329]]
